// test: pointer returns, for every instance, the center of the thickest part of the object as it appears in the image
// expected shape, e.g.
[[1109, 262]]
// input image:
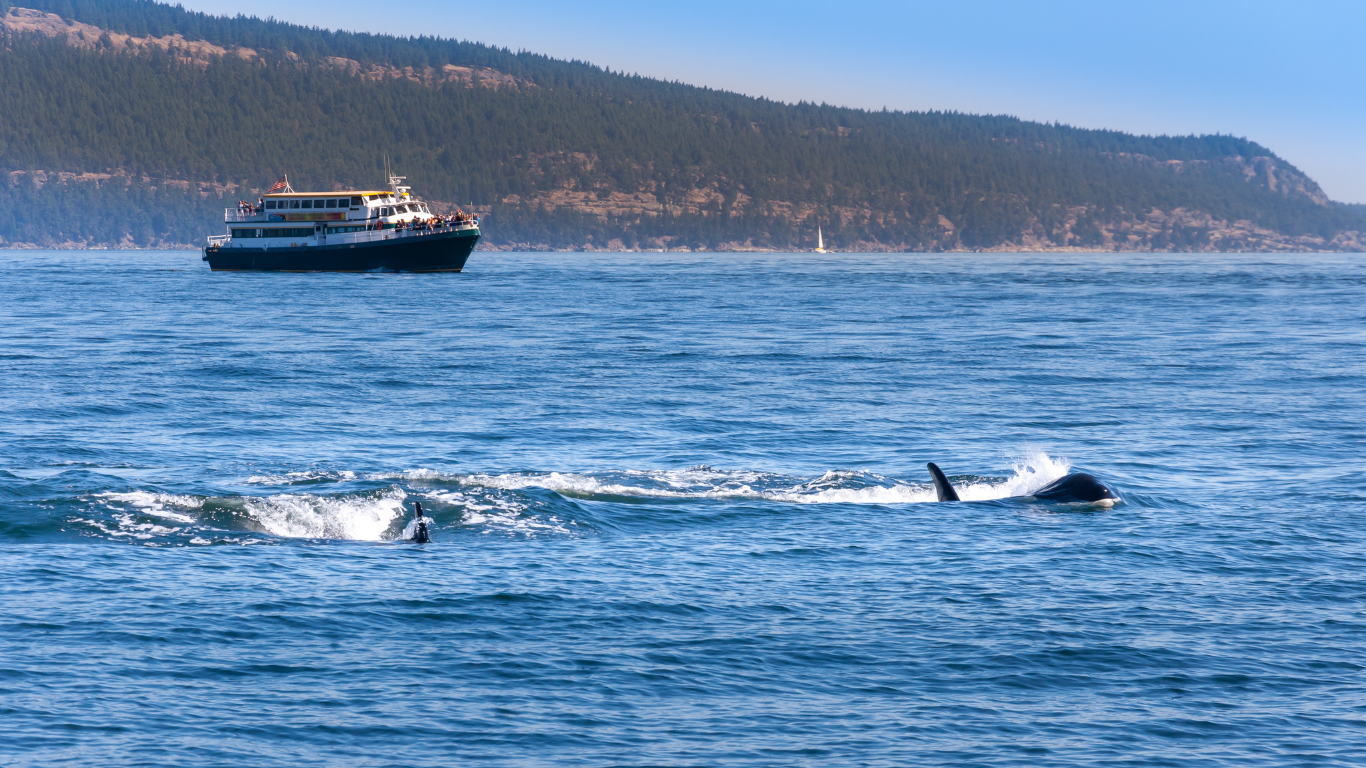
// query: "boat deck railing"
[[371, 236], [231, 215], [353, 238]]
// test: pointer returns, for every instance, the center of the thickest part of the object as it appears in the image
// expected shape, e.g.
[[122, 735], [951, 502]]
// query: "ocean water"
[[681, 512]]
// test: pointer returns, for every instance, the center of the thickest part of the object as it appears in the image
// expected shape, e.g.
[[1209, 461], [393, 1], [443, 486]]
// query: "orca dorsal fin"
[[941, 484]]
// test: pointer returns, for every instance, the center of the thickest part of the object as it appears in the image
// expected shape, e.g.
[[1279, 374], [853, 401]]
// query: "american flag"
[[283, 183]]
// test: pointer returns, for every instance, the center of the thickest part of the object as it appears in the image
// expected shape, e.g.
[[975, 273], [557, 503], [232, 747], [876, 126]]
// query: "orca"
[[942, 487], [1076, 488], [420, 536]]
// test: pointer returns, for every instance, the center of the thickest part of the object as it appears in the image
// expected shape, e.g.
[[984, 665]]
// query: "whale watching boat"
[[355, 231]]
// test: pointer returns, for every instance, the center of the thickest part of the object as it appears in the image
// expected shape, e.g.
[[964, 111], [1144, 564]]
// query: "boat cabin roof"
[[343, 193]]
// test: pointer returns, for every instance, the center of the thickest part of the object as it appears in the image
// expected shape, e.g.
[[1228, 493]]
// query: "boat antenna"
[[400, 191]]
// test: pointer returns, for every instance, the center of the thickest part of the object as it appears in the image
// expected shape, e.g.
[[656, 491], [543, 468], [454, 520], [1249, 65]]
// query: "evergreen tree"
[[725, 168]]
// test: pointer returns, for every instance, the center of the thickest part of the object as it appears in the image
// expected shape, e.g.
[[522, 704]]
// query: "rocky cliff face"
[[79, 35], [1269, 173], [1070, 229], [1073, 229], [1178, 230]]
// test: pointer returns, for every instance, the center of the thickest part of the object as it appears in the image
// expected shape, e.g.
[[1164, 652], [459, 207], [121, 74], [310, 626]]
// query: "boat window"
[[293, 203], [331, 203], [270, 205], [319, 203], [308, 203], [355, 201], [386, 211]]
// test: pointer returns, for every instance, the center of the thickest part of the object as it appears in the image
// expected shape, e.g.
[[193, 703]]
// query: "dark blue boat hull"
[[434, 252]]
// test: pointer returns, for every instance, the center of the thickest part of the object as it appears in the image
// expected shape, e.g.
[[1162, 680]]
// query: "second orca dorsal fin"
[[942, 487]]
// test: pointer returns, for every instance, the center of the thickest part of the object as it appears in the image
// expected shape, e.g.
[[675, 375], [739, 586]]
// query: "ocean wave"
[[354, 517], [164, 505], [304, 515], [372, 516], [1029, 474], [310, 477], [518, 504], [497, 514]]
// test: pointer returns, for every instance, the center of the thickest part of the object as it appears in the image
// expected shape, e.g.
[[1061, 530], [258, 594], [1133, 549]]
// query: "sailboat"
[[820, 241]]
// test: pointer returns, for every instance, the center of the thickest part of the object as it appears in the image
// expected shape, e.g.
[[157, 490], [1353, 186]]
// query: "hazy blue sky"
[[1290, 75]]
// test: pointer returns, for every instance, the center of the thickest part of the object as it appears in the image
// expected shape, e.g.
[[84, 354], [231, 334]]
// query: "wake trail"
[[499, 503]]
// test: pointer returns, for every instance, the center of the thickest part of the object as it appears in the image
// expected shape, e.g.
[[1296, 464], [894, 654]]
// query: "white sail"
[[820, 241]]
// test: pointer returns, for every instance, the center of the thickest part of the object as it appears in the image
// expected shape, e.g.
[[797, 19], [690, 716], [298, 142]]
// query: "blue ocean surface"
[[682, 515]]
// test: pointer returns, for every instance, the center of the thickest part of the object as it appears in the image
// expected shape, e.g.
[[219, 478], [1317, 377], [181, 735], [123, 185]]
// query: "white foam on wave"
[[820, 491], [130, 527], [154, 504], [684, 484], [290, 515], [1031, 473], [306, 516], [497, 514], [290, 478]]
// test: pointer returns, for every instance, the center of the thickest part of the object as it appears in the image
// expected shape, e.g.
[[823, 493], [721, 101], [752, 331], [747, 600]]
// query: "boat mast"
[[401, 192]]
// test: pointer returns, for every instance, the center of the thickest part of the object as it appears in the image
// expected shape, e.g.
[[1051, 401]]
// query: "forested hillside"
[[131, 122]]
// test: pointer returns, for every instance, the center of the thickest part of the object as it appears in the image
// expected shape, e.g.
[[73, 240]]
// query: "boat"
[[346, 231], [820, 240]]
